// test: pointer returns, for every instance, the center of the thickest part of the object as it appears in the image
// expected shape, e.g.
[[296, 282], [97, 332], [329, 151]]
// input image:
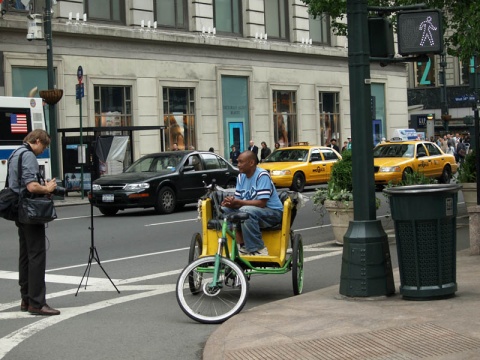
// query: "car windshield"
[[167, 162], [288, 155], [393, 150]]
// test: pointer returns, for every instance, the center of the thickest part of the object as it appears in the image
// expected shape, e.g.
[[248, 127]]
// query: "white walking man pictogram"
[[427, 28]]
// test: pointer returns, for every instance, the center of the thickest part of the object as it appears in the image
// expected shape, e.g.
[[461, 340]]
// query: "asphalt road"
[[143, 253]]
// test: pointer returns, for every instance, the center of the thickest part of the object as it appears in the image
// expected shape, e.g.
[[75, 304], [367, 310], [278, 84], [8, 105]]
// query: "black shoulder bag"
[[8, 197], [33, 208]]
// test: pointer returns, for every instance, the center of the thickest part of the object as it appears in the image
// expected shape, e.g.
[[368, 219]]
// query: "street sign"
[[79, 91], [420, 32]]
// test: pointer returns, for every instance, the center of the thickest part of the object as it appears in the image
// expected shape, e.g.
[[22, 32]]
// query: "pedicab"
[[214, 285]]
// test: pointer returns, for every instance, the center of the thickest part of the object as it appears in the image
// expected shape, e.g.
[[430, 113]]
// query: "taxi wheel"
[[406, 172], [446, 175], [298, 182]]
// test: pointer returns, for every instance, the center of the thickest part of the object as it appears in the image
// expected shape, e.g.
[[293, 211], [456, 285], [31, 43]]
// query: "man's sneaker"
[[261, 252], [241, 249]]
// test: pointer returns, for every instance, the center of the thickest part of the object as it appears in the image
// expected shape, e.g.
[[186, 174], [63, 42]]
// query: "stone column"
[[474, 224]]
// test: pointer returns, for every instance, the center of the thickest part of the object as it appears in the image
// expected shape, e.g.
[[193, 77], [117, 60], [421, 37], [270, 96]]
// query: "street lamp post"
[[52, 121], [443, 90], [366, 265]]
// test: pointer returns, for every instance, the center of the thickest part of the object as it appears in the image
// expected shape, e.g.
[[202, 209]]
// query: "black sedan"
[[165, 181]]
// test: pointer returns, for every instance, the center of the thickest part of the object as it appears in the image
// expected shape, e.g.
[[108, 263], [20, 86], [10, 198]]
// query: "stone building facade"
[[214, 72]]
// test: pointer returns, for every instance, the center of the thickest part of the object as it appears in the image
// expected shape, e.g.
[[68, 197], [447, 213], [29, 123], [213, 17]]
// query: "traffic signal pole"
[[52, 121], [366, 264]]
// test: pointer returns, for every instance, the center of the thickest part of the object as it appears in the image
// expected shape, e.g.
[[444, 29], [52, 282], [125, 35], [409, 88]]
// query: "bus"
[[19, 116]]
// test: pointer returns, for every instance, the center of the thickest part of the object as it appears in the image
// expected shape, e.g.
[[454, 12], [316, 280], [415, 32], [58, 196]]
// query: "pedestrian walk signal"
[[420, 32]]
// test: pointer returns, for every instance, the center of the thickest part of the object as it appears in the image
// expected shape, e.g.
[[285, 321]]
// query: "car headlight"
[[390, 169], [281, 172], [96, 187], [139, 186]]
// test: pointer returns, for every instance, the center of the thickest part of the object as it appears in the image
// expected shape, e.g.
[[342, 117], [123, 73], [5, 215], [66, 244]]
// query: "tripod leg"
[[87, 271], [101, 267], [93, 255]]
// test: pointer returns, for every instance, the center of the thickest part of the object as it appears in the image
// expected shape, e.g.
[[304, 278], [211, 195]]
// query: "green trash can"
[[425, 218]]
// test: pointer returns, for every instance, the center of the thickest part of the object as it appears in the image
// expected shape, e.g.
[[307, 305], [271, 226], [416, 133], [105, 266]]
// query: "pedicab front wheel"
[[209, 301]]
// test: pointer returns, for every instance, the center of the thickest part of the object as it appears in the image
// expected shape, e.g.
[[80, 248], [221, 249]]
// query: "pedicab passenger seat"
[[215, 223]]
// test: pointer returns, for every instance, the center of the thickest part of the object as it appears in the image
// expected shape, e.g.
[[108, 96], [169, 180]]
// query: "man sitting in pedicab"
[[256, 195]]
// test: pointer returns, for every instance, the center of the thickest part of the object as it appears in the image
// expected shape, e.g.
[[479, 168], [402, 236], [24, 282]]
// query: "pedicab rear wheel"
[[195, 247], [195, 279], [297, 264]]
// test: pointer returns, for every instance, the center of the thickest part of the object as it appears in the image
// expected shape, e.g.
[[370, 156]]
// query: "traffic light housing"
[[380, 32], [465, 73], [420, 32]]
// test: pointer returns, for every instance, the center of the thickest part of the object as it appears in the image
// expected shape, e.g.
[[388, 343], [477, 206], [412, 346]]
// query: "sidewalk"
[[324, 325], [73, 198]]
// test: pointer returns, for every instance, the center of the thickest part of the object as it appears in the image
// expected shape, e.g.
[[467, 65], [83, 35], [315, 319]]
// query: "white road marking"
[[10, 341], [13, 339], [76, 217], [171, 222], [120, 259]]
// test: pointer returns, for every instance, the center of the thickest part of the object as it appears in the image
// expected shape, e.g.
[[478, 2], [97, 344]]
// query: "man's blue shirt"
[[259, 186]]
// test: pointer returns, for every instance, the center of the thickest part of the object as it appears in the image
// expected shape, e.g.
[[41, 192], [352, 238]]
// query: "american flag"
[[18, 123]]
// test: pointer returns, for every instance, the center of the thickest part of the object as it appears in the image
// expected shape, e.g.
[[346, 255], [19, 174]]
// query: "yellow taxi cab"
[[297, 166], [393, 160]]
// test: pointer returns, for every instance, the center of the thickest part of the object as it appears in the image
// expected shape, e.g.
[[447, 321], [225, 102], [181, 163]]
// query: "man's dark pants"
[[32, 263]]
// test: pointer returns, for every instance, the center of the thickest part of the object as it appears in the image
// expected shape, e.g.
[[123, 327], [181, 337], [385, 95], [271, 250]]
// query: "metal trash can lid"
[[421, 189]]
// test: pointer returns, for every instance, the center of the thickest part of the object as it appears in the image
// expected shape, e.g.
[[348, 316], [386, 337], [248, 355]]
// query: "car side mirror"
[[188, 168]]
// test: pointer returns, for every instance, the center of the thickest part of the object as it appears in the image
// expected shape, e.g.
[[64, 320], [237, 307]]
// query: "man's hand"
[[51, 185], [36, 188], [229, 202], [234, 203]]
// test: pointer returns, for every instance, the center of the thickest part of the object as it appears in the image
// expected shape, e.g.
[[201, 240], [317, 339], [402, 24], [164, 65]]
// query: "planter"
[[469, 191], [341, 213], [52, 96]]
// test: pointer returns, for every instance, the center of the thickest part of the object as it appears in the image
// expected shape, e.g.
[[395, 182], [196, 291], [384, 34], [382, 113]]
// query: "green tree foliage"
[[461, 18]]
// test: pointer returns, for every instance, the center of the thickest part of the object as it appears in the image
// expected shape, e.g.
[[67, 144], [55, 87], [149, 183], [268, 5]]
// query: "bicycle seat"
[[238, 217]]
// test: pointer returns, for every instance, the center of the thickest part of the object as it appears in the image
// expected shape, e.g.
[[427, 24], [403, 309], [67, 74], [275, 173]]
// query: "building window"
[[276, 19], [106, 10], [19, 5], [285, 117], [113, 106], [329, 109], [468, 68], [320, 29], [171, 13], [227, 16], [179, 117]]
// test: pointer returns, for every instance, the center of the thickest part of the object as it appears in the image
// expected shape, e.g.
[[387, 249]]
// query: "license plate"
[[107, 197]]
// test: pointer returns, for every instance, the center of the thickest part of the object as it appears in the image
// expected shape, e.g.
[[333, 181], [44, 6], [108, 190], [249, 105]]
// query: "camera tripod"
[[93, 256]]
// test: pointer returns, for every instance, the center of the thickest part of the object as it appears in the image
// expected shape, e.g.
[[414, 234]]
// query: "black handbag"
[[8, 204], [8, 197], [35, 210]]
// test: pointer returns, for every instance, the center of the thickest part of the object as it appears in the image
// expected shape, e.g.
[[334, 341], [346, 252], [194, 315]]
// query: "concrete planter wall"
[[470, 196], [469, 191], [340, 217]]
